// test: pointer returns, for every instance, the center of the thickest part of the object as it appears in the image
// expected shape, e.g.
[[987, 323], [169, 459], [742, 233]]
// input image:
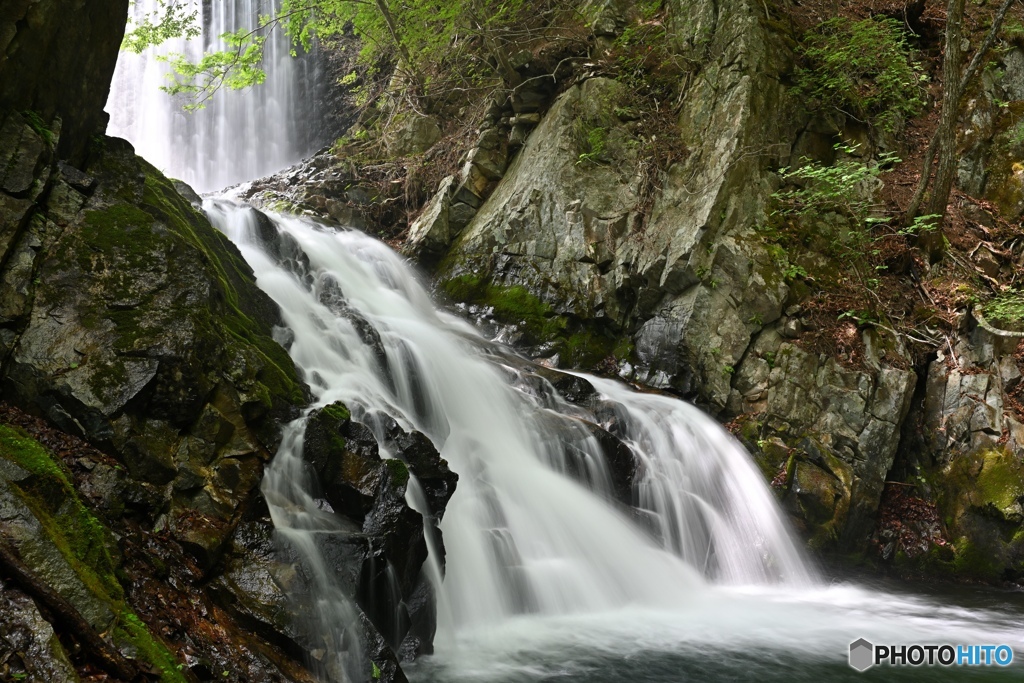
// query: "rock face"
[[75, 535], [560, 211], [965, 449], [554, 215], [129, 321], [35, 651], [57, 59], [841, 427], [684, 293]]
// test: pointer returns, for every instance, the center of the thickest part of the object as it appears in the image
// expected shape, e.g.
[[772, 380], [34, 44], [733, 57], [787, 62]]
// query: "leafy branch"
[[156, 27]]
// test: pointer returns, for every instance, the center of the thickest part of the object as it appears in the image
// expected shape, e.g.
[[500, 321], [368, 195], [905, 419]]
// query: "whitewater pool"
[[755, 635]]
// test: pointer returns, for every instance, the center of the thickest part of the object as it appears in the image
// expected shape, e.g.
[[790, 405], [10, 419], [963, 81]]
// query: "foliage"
[[154, 28], [593, 140], [921, 224], [830, 209], [863, 69], [840, 188], [1006, 310], [236, 68], [644, 58], [418, 35]]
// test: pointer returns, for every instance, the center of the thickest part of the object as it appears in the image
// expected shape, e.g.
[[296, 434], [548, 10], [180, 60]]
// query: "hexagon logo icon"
[[862, 655]]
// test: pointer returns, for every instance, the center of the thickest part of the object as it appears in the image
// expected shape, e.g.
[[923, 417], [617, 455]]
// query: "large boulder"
[[130, 321], [57, 59], [364, 471]]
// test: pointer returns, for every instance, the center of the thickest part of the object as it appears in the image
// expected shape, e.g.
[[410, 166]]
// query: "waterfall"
[[240, 135], [552, 570], [533, 527]]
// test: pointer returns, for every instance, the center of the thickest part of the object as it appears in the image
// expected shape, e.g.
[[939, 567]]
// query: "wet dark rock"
[[623, 467], [331, 296], [254, 584], [32, 650], [378, 650], [371, 492], [572, 388], [59, 58], [421, 607]]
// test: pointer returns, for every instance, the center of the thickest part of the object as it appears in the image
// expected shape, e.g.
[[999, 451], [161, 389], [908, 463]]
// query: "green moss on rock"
[[579, 344], [399, 471], [513, 305], [246, 306], [972, 561], [1001, 481], [84, 542], [337, 411]]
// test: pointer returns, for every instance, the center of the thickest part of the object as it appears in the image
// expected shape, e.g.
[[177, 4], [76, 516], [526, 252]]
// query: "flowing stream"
[[239, 135], [548, 576]]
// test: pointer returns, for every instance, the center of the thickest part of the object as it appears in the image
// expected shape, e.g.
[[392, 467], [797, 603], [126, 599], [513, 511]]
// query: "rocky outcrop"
[[129, 321], [828, 433], [75, 535], [33, 651], [56, 61], [686, 284], [364, 472], [676, 285], [553, 215], [964, 450]]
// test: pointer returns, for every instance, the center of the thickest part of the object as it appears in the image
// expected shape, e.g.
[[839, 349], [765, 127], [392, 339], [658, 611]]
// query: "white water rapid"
[[240, 135], [547, 575]]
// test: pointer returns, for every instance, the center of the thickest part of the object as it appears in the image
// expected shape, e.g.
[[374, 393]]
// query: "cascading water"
[[548, 574], [240, 135]]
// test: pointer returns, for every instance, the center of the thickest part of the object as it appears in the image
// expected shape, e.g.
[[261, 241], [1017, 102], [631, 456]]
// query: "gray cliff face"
[[553, 224], [696, 290], [700, 300]]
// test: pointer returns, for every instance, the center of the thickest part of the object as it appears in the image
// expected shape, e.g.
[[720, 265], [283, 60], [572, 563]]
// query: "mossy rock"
[[42, 485], [980, 497], [323, 442], [158, 314], [579, 343]]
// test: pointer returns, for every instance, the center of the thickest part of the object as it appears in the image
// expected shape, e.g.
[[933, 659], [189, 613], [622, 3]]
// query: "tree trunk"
[[403, 51], [943, 141], [933, 242]]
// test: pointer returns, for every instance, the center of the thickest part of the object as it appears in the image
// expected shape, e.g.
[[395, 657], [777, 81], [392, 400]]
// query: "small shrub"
[[862, 69], [839, 188], [593, 144], [1006, 310]]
